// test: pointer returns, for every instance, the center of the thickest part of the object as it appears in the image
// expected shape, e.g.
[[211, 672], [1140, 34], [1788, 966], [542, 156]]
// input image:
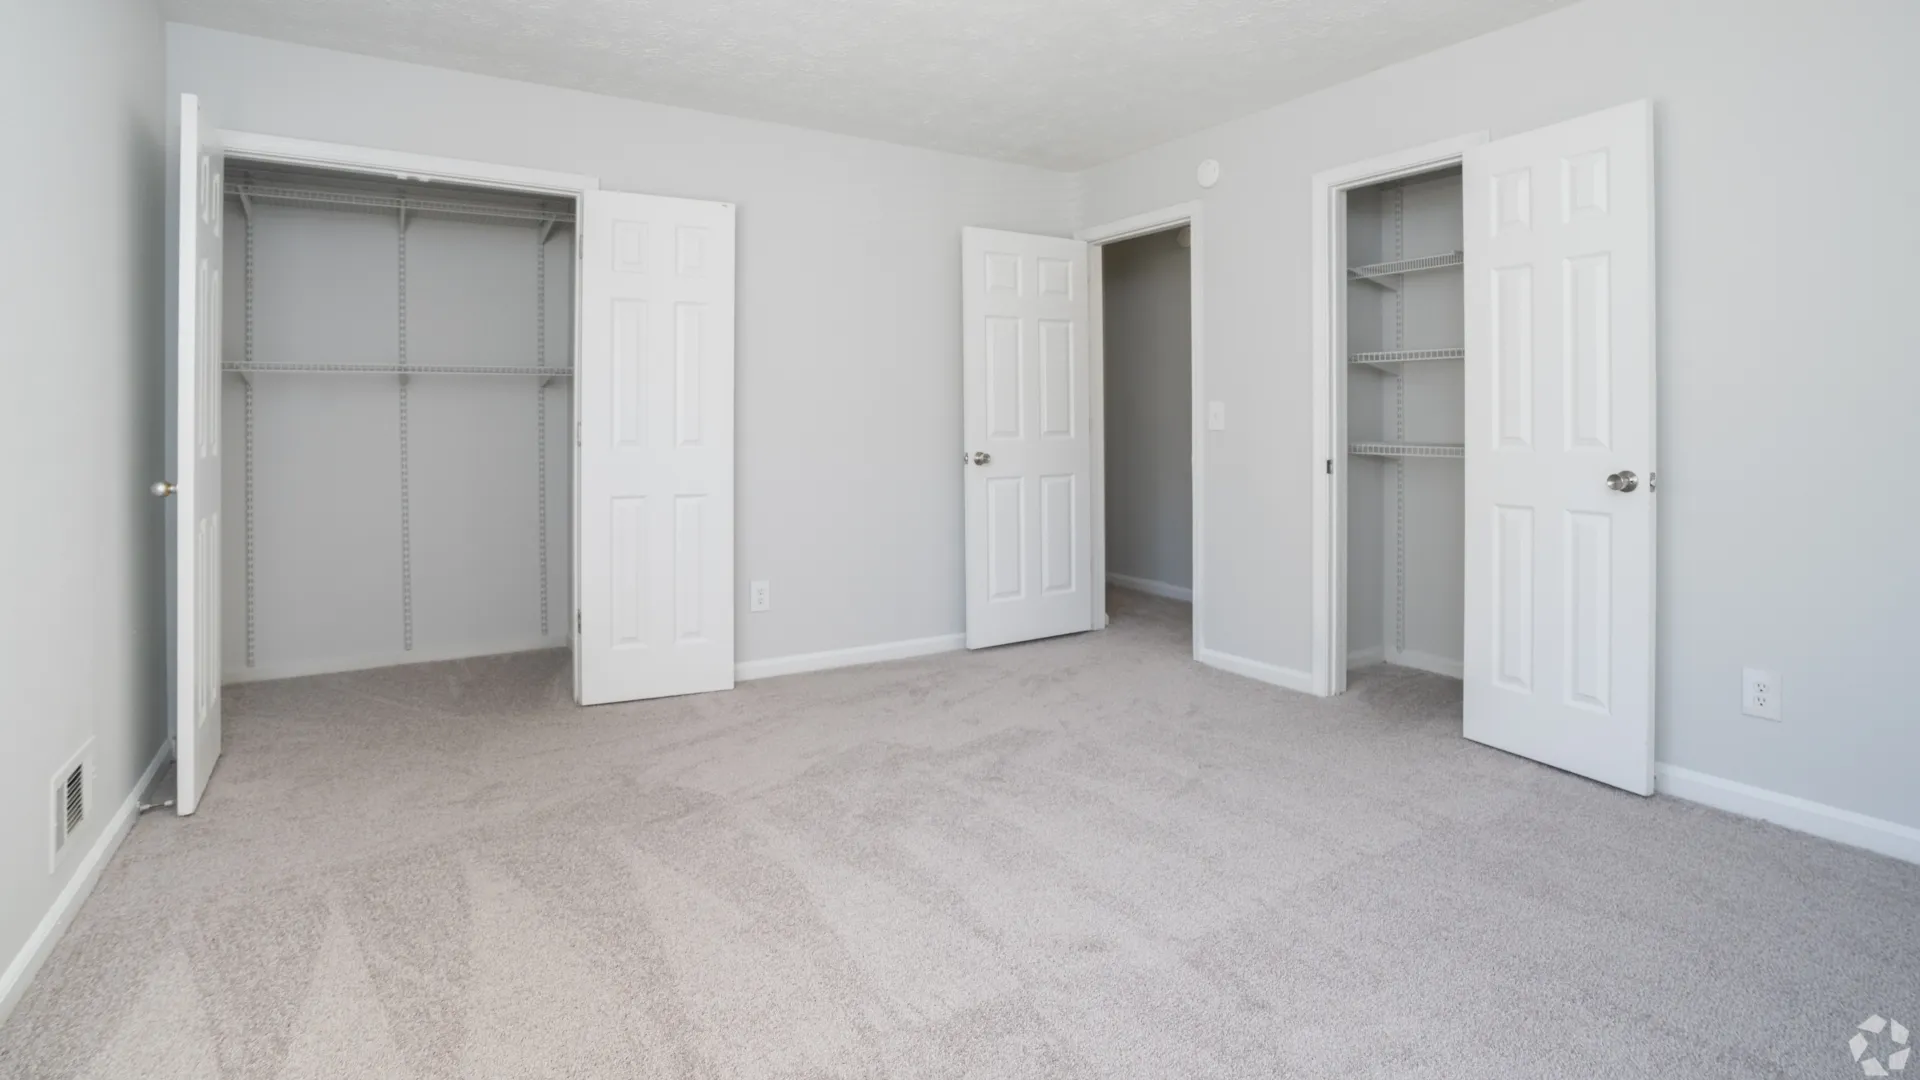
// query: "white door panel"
[[194, 576], [1560, 396], [654, 466], [1028, 450]]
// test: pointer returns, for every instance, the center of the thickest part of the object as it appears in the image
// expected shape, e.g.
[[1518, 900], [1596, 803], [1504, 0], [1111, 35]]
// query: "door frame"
[[402, 165], [1329, 272], [1187, 215]]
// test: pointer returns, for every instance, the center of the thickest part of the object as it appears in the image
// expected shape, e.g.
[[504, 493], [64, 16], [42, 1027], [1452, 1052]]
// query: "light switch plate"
[[759, 596]]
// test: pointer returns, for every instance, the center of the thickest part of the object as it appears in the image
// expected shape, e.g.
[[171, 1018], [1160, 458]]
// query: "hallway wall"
[[1149, 415]]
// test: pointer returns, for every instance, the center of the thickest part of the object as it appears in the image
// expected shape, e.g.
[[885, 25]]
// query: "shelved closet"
[[1405, 379], [396, 396]]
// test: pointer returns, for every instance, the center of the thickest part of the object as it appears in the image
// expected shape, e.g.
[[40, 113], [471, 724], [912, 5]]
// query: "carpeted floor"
[[1085, 857]]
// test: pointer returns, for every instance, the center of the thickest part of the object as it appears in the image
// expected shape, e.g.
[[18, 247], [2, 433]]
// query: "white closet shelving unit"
[[1406, 414], [251, 189]]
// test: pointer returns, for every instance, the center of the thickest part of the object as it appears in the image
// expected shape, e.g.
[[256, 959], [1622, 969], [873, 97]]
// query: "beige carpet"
[[1087, 857]]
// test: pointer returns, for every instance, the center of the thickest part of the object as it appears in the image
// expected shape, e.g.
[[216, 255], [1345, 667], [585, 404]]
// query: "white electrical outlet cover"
[[1760, 693]]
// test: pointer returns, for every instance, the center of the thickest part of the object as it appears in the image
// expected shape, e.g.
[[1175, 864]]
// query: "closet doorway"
[[1484, 433], [1149, 425], [427, 409], [1147, 407]]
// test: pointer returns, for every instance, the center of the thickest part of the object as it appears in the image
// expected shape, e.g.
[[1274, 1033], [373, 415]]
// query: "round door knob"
[[163, 488], [1623, 480], [981, 457]]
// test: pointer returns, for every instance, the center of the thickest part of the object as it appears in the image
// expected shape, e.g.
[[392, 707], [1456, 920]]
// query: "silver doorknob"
[[1623, 481], [163, 488], [981, 457]]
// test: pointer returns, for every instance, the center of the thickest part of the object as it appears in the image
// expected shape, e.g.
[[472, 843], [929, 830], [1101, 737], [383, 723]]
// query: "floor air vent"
[[71, 786]]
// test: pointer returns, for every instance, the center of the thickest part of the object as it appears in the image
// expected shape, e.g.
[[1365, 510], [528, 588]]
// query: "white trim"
[[400, 164], [1287, 678], [1802, 815], [1188, 214], [1367, 657], [838, 658], [1151, 587], [1439, 665], [1330, 388], [39, 945], [301, 669]]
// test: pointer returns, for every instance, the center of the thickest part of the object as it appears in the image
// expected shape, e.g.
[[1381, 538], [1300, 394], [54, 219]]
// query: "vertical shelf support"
[[1399, 435], [540, 407], [406, 488], [247, 499]]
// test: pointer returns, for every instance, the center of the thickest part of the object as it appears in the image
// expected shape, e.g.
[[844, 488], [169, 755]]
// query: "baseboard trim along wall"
[[838, 658], [1151, 588], [85, 875], [1289, 678], [340, 665], [1802, 815]]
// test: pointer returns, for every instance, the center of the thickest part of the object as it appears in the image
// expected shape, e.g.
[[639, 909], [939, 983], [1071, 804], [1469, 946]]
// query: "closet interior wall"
[[373, 517], [1405, 379]]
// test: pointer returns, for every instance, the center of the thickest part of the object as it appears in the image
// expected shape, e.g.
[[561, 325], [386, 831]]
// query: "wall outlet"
[[1760, 693], [1216, 416], [759, 596]]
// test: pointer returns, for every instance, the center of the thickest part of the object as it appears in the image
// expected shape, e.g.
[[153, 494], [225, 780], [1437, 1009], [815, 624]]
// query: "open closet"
[[1406, 333], [398, 411]]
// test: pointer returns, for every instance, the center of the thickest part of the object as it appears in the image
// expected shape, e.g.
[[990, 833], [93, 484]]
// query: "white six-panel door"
[[194, 584], [1028, 451], [654, 461], [1560, 404]]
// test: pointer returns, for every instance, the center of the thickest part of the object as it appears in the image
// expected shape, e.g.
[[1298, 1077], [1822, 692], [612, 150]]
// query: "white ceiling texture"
[[1062, 84]]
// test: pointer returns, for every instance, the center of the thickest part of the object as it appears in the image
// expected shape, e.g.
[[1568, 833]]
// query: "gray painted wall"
[[1787, 373], [1149, 418], [83, 606], [326, 448]]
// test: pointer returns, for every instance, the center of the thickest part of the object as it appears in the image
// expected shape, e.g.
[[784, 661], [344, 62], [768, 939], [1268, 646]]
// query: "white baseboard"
[[839, 658], [1367, 657], [1439, 665], [1290, 678], [1152, 588], [301, 668], [1804, 815], [26, 963]]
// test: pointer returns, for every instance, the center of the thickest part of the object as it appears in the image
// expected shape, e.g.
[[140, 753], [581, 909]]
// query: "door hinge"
[[576, 434], [578, 624], [1329, 466]]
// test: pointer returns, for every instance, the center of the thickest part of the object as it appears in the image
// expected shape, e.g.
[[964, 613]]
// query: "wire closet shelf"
[[1404, 356], [1378, 273], [1408, 450], [250, 192]]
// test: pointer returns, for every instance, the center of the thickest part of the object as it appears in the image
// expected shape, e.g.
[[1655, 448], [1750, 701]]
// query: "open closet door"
[[1560, 446], [654, 460], [1028, 454], [194, 580]]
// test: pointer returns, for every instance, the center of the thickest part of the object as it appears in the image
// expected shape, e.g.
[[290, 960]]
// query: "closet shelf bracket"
[[546, 229], [246, 204]]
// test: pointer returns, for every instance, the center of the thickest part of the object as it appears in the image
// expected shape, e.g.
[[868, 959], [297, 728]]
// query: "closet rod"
[[394, 202], [394, 369]]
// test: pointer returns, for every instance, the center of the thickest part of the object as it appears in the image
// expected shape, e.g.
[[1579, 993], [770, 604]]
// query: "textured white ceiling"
[[1063, 84]]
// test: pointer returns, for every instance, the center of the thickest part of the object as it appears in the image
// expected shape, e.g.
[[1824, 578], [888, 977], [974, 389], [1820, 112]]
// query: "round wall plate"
[[1209, 174]]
